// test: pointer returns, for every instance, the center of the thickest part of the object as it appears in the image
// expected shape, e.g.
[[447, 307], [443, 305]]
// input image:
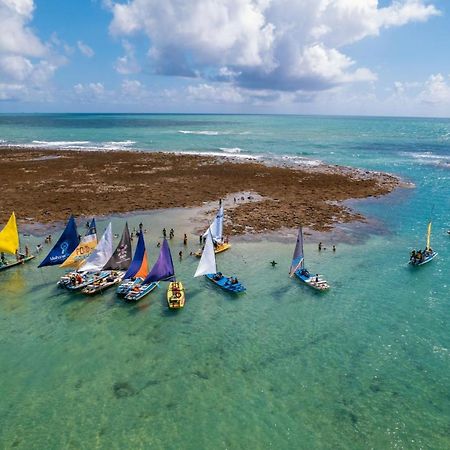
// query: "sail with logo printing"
[[121, 258], [64, 247], [87, 244]]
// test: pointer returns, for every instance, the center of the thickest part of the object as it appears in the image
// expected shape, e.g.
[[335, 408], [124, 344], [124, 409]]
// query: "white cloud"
[[85, 49], [286, 45], [26, 64], [436, 90], [15, 36], [223, 93], [127, 64], [90, 90]]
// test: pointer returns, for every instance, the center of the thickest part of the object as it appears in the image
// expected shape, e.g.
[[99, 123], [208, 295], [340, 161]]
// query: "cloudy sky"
[[385, 57]]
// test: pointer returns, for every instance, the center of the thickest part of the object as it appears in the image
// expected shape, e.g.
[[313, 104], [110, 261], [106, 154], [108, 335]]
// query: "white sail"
[[207, 262], [216, 227], [101, 254]]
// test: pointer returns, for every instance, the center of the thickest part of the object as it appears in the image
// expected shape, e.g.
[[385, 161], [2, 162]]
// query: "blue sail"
[[66, 244], [92, 228], [138, 258], [163, 268]]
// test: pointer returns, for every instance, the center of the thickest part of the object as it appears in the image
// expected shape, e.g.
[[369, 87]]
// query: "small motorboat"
[[229, 284]]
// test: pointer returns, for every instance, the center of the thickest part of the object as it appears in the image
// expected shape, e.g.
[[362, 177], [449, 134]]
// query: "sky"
[[362, 57]]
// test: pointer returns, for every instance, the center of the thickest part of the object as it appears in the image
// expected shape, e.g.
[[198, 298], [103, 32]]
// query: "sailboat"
[[216, 230], [64, 247], [207, 266], [138, 269], [87, 244], [298, 267], [91, 270], [419, 258], [116, 266], [163, 270], [9, 243]]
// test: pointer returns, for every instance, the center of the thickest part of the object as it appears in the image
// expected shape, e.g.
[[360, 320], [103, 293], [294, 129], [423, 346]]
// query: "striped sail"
[[139, 265], [298, 257]]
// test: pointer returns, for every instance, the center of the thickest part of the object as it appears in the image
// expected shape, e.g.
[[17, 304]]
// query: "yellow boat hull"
[[219, 249], [175, 295]]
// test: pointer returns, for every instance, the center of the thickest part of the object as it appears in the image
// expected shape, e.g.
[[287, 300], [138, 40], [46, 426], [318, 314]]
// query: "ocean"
[[365, 365]]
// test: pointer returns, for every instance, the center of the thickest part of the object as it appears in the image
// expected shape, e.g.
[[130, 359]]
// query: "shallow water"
[[365, 365]]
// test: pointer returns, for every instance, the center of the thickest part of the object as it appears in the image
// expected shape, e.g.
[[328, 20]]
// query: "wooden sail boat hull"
[[218, 249], [16, 263], [87, 279], [426, 260], [321, 285], [98, 286], [126, 285], [225, 283], [175, 295], [139, 292]]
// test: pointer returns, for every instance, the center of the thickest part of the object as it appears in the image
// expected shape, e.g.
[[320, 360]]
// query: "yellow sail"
[[428, 235], [85, 247], [9, 236]]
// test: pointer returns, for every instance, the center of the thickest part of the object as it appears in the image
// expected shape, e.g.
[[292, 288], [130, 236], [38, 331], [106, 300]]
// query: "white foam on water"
[[204, 133], [59, 144], [300, 160], [230, 150], [221, 154]]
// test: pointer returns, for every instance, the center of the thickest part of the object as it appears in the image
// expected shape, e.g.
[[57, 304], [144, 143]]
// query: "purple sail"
[[163, 269]]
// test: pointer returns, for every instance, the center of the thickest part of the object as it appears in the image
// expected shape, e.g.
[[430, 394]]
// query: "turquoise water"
[[366, 365]]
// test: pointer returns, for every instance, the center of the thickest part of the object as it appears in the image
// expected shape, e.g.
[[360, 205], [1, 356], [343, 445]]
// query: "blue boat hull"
[[139, 292], [225, 284], [310, 281], [425, 260], [127, 285]]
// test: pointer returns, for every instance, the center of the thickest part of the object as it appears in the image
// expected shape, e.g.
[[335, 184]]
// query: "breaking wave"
[[230, 149]]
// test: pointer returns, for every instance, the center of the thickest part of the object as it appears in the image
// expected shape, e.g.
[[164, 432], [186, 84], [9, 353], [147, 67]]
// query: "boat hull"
[[225, 283], [219, 249], [16, 263], [426, 260], [175, 295], [126, 285], [139, 292], [320, 285], [87, 279], [99, 286]]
